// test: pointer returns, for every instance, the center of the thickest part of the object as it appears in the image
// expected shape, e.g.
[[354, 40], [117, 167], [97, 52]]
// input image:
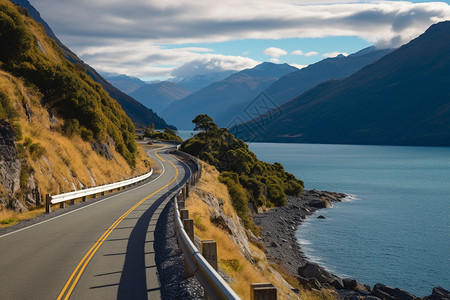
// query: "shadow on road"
[[133, 283]]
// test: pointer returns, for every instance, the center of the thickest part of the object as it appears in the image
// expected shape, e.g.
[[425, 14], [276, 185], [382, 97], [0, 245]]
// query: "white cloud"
[[274, 52], [311, 53], [297, 52], [213, 63], [334, 54], [299, 66], [124, 28], [147, 60], [178, 21], [275, 60]]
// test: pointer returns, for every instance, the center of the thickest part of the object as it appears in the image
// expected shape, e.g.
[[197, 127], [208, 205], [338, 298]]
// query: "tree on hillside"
[[170, 131], [205, 123]]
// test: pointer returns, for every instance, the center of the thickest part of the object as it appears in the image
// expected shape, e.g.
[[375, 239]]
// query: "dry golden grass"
[[231, 260], [9, 218]]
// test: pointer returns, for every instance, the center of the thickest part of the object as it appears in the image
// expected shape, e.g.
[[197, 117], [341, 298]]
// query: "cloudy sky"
[[157, 39]]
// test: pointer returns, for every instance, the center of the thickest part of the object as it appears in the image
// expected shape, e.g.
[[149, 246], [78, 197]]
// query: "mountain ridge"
[[159, 95], [295, 83], [402, 99], [218, 96], [125, 83]]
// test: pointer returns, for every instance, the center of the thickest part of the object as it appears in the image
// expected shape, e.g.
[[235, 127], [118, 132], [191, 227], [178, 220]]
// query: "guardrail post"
[[181, 205], [179, 198], [187, 189], [62, 204], [37, 196], [184, 214], [83, 199], [48, 203], [72, 202], [263, 291], [188, 225], [183, 192], [209, 252]]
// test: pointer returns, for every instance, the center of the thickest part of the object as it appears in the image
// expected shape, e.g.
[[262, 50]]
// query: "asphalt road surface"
[[99, 250]]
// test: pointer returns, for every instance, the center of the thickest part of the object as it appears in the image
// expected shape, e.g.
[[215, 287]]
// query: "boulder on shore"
[[388, 293], [439, 293], [313, 270]]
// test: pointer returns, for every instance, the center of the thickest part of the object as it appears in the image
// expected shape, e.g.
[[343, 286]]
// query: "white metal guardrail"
[[95, 190], [214, 285]]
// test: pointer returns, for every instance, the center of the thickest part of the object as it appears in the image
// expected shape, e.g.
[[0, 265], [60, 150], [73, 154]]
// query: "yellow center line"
[[156, 153], [76, 274]]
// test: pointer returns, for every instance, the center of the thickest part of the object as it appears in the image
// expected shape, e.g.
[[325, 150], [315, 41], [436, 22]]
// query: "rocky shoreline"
[[278, 236]]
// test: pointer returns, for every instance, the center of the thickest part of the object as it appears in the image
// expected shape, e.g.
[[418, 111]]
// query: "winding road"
[[100, 250]]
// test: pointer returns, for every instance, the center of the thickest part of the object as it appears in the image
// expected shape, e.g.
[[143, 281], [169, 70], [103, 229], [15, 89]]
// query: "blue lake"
[[394, 230]]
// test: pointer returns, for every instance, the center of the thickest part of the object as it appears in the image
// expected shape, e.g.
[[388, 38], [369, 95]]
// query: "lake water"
[[186, 134], [394, 230]]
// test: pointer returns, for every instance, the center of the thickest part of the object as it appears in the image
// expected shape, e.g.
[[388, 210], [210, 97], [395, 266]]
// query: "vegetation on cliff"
[[248, 179], [27, 52]]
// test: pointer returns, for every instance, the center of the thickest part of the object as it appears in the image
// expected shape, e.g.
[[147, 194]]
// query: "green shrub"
[[231, 264], [17, 129], [7, 110], [36, 150], [24, 174], [86, 134], [71, 127], [198, 221], [276, 195]]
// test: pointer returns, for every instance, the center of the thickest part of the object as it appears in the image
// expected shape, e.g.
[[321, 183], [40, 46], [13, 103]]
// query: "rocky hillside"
[[59, 130]]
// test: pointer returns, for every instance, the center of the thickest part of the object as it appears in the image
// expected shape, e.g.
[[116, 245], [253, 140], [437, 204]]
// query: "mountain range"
[[198, 81], [218, 96], [159, 95], [125, 83], [402, 99], [295, 83], [139, 114]]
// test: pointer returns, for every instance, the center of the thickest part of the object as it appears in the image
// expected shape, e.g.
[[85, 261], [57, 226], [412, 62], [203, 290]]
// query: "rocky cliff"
[[9, 165]]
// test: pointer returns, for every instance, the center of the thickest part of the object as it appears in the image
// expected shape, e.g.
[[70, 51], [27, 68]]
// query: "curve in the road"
[[116, 262]]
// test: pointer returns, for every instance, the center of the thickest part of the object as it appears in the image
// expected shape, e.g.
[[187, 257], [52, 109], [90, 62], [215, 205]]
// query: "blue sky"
[[154, 39], [318, 48]]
